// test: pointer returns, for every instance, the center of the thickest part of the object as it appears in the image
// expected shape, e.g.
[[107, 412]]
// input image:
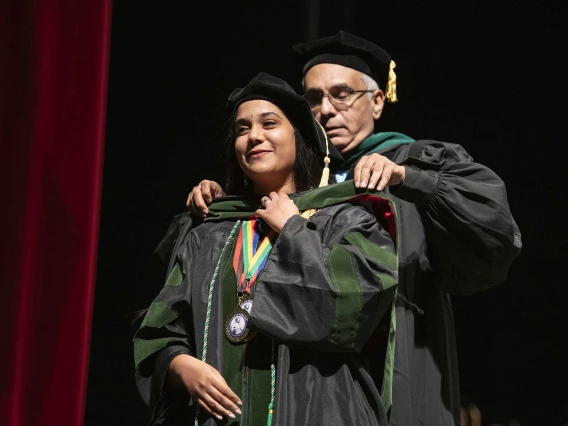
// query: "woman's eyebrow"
[[265, 114], [262, 115]]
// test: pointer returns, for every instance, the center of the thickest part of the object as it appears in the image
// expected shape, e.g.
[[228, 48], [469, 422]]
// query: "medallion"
[[245, 302], [236, 326], [251, 252]]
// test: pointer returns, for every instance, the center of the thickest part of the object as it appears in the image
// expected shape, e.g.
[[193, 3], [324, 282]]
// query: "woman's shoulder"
[[343, 201], [346, 213], [209, 229], [199, 233]]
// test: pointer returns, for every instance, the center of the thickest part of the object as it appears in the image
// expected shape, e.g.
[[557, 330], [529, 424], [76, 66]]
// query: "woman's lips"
[[257, 154]]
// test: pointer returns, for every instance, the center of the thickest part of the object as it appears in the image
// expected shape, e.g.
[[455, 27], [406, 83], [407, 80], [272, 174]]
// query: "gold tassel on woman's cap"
[[324, 175], [391, 84]]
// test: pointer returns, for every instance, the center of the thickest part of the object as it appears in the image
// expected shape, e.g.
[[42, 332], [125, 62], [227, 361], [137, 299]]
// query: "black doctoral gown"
[[326, 285], [457, 237]]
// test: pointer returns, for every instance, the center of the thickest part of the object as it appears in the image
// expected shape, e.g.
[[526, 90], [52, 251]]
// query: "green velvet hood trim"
[[373, 143], [237, 207], [234, 206]]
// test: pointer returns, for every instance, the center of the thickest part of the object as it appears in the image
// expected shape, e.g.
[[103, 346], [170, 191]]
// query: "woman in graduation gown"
[[270, 301]]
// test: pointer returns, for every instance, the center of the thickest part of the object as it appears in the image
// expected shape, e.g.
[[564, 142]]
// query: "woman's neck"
[[264, 189]]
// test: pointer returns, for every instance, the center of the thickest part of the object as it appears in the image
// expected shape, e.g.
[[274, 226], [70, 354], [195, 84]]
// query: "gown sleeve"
[[327, 281], [465, 214], [164, 333]]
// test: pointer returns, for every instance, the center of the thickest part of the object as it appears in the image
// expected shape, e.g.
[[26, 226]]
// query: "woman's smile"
[[257, 153]]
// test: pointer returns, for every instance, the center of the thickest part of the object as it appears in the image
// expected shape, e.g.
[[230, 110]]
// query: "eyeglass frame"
[[332, 99]]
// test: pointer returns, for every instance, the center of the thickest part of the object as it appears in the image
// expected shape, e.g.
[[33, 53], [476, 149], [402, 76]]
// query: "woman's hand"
[[278, 208], [205, 384]]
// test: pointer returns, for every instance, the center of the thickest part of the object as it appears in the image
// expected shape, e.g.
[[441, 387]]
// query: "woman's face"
[[265, 146]]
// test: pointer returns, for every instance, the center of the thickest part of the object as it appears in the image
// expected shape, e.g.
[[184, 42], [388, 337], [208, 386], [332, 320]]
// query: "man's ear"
[[378, 103]]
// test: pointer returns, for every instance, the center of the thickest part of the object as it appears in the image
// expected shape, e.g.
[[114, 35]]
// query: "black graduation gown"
[[457, 237], [326, 285]]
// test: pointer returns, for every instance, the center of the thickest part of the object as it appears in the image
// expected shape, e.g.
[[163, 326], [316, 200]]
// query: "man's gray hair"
[[369, 82]]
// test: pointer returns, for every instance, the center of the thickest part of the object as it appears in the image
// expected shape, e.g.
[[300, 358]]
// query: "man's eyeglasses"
[[337, 95]]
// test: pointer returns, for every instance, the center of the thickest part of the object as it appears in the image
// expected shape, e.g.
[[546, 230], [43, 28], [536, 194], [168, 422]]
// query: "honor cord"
[[272, 385], [209, 303]]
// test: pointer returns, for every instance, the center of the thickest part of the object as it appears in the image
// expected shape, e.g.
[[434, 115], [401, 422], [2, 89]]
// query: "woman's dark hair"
[[307, 168]]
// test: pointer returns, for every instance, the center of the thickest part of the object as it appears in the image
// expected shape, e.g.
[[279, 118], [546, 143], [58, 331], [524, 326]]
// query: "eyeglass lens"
[[336, 95]]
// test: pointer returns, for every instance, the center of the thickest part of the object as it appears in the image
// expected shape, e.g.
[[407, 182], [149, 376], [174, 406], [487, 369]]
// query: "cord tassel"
[[270, 411]]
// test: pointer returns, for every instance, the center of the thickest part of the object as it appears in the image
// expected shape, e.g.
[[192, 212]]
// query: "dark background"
[[486, 76]]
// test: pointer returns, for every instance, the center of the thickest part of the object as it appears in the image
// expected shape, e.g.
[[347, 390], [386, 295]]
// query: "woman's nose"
[[256, 135]]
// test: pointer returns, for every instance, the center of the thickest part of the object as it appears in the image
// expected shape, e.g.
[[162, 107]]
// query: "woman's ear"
[[378, 103]]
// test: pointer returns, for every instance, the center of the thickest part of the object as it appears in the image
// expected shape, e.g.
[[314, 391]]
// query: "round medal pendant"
[[236, 326], [246, 303]]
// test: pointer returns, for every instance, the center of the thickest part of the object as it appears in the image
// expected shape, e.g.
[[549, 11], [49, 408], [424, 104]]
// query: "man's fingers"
[[216, 190], [362, 173], [385, 177], [197, 204], [365, 168], [210, 190], [367, 171], [376, 174], [202, 195], [205, 187]]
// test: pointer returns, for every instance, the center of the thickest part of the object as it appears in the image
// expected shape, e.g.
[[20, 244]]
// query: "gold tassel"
[[391, 85], [324, 175], [308, 213]]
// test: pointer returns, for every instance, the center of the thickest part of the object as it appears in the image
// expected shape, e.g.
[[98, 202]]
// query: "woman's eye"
[[241, 130], [269, 123]]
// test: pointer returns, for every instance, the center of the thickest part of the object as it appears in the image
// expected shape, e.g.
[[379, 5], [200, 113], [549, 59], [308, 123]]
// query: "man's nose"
[[326, 107]]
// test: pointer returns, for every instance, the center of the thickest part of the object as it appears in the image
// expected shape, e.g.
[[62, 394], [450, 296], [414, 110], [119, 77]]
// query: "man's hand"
[[202, 195], [376, 171], [278, 208], [205, 384]]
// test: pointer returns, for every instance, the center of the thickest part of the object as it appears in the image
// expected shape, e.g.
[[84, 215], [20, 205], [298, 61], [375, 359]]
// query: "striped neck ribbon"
[[250, 255]]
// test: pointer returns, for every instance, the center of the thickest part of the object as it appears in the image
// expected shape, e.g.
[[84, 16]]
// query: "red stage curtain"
[[53, 90]]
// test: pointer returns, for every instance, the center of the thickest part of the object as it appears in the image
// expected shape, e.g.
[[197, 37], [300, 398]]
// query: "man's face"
[[346, 124]]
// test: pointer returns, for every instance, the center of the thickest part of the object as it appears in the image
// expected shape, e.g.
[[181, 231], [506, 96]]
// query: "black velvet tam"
[[347, 50], [275, 90]]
